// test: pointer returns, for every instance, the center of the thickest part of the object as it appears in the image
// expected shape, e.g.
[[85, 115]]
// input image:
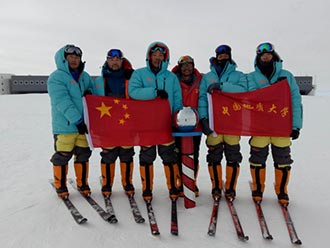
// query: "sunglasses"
[[223, 49], [115, 53], [158, 48], [265, 48], [185, 60], [71, 49]]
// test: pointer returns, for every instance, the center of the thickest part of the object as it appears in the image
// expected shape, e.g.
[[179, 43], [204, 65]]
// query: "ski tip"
[[298, 242], [244, 238], [112, 220], [140, 220], [82, 221], [269, 237], [155, 233]]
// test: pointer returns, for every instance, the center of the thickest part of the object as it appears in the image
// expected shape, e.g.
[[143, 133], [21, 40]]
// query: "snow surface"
[[31, 215]]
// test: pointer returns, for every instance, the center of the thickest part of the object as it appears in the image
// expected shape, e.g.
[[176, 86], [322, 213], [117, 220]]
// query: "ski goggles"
[[185, 60], [223, 49], [71, 49], [265, 48], [115, 53], [158, 48]]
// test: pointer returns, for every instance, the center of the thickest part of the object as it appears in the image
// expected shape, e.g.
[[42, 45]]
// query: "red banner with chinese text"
[[126, 122], [262, 112]]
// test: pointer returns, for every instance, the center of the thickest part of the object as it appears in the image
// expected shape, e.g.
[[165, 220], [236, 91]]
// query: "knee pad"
[[168, 153], [61, 158], [109, 155], [126, 154], [282, 155], [232, 153], [147, 154], [82, 154], [215, 153], [258, 155]]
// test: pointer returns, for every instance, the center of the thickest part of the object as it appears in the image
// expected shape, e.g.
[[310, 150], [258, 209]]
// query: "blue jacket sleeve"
[[137, 89]]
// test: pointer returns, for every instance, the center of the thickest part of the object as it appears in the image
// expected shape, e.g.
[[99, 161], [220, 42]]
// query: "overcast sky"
[[31, 31]]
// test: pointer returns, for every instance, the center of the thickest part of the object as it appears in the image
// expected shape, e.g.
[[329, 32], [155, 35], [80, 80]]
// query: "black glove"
[[162, 94], [87, 92], [205, 126], [214, 86], [295, 134], [82, 128]]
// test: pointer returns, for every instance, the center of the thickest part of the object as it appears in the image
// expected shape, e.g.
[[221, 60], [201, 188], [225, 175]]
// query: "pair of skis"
[[107, 215], [287, 218], [261, 218], [214, 218], [152, 218]]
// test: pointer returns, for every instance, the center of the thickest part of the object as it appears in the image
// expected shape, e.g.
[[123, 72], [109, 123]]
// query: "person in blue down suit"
[[268, 70], [146, 83], [116, 72], [223, 76], [66, 87]]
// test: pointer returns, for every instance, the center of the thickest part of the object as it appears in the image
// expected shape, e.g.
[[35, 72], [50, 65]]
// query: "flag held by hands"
[[262, 112], [126, 122]]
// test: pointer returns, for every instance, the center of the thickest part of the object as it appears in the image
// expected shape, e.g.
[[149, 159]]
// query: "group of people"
[[184, 86]]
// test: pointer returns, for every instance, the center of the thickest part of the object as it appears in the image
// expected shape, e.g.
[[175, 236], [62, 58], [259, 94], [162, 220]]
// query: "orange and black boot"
[[108, 175], [258, 174], [126, 169], [60, 174], [215, 172], [147, 178], [282, 177], [81, 170], [232, 173], [173, 179]]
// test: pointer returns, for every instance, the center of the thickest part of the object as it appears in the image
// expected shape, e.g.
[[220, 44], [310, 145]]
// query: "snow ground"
[[32, 216]]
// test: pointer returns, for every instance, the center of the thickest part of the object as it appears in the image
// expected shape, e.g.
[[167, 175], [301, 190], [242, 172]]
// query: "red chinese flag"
[[126, 122], [263, 112]]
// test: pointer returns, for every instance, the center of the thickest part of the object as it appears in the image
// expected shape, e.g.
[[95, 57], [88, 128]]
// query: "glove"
[[82, 128], [162, 94], [205, 126], [87, 92], [214, 86], [295, 134]]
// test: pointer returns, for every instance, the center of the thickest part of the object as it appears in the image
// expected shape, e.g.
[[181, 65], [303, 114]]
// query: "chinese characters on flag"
[[262, 112], [126, 122]]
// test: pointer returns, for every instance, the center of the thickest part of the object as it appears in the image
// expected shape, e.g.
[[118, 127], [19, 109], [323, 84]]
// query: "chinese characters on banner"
[[126, 122], [262, 112]]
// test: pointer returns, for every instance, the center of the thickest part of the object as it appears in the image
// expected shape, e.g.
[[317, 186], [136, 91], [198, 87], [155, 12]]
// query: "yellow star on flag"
[[104, 109]]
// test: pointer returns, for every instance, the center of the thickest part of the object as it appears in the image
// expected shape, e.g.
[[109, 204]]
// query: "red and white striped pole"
[[188, 166]]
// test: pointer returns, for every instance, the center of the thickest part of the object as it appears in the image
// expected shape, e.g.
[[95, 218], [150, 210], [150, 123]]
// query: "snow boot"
[[126, 169], [108, 175], [215, 172], [173, 179], [81, 170], [60, 174], [232, 173], [147, 178], [282, 177], [258, 174]]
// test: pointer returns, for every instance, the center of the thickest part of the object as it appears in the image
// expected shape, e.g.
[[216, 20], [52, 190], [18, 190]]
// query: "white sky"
[[32, 31]]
